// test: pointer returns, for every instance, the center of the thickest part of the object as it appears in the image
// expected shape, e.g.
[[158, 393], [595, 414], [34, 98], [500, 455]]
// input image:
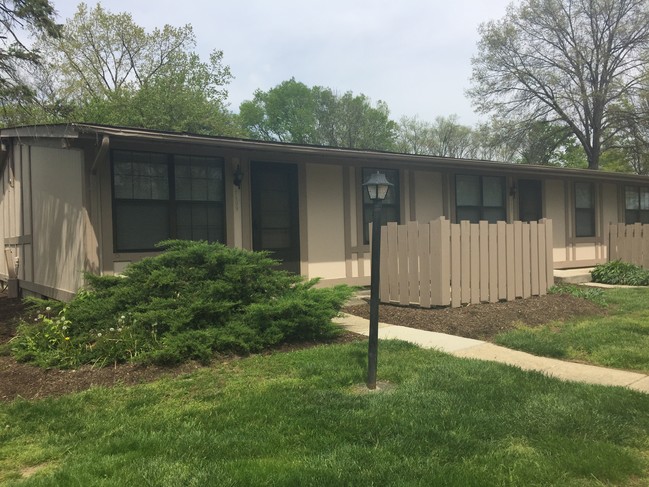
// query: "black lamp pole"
[[373, 346], [377, 188]]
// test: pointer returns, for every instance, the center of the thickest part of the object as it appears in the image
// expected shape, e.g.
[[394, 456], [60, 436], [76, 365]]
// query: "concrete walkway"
[[469, 348]]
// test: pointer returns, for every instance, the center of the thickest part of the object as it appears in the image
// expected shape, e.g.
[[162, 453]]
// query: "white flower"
[[99, 334], [112, 329], [64, 328], [119, 329], [48, 309], [122, 317]]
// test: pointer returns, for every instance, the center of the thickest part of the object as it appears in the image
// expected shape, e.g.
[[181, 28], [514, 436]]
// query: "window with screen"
[[636, 204], [391, 210], [480, 198], [162, 196]]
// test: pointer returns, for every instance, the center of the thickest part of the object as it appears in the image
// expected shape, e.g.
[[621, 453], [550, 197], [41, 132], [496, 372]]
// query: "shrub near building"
[[622, 273], [191, 301]]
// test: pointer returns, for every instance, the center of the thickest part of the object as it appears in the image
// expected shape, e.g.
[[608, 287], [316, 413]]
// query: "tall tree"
[[285, 113], [293, 112], [564, 61], [107, 69], [16, 17], [445, 137]]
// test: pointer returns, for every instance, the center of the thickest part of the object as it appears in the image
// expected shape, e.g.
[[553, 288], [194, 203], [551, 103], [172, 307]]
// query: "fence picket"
[[484, 261], [612, 242], [475, 263], [402, 244], [502, 260], [425, 257], [493, 263], [543, 286], [511, 258], [518, 258], [445, 268], [527, 279], [465, 261], [534, 258], [393, 264], [413, 262], [456, 298]]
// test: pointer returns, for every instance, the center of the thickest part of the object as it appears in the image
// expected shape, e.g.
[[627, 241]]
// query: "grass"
[[619, 340], [299, 419]]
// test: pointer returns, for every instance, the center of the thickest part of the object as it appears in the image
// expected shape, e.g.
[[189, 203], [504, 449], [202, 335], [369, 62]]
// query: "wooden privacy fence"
[[442, 264], [629, 243]]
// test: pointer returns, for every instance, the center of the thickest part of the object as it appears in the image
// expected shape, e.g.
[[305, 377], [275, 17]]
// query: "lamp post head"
[[377, 186]]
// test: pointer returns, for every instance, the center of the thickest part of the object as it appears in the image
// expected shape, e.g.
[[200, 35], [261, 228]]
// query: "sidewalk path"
[[470, 348]]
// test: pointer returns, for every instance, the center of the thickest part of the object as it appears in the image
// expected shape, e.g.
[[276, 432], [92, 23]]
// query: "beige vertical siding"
[[556, 209], [325, 221], [428, 196], [59, 219]]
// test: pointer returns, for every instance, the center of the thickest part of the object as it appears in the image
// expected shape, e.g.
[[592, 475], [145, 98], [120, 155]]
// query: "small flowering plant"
[[126, 340], [47, 339]]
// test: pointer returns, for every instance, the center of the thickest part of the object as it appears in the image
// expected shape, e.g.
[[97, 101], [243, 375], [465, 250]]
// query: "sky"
[[415, 55]]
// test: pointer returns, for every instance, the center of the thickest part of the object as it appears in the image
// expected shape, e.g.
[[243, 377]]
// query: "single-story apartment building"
[[83, 197]]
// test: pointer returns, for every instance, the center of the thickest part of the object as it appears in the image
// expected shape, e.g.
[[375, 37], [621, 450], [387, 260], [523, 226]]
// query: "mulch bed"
[[25, 381], [479, 321], [484, 321]]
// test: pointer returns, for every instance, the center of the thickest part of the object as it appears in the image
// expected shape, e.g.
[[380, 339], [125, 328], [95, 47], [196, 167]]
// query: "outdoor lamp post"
[[377, 189]]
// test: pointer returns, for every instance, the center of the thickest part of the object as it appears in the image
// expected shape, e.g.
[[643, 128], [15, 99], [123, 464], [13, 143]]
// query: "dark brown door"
[[275, 212], [530, 200]]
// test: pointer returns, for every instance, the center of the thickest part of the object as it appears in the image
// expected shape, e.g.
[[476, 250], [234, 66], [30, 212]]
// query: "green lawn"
[[298, 419], [619, 340]]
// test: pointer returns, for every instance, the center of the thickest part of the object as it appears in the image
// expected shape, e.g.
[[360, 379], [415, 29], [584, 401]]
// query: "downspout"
[[101, 153]]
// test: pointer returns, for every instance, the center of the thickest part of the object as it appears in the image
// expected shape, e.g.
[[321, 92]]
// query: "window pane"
[[493, 193], [584, 195], [199, 189], [122, 180], [199, 179], [199, 221], [467, 190], [644, 198], [632, 198], [468, 213], [140, 175], [139, 226], [492, 215], [584, 222], [631, 216], [644, 216]]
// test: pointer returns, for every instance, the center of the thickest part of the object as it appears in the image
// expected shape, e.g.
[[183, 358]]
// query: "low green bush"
[[618, 272], [191, 301], [591, 293]]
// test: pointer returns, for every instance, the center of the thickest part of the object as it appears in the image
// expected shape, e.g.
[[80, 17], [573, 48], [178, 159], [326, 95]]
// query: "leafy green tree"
[[563, 61], [285, 113], [107, 69], [16, 16], [293, 112]]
